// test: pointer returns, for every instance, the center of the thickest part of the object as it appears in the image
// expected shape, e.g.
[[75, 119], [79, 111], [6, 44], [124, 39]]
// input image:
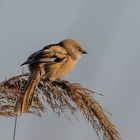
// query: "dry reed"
[[60, 95]]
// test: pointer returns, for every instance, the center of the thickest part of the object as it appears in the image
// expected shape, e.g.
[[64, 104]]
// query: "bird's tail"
[[28, 91]]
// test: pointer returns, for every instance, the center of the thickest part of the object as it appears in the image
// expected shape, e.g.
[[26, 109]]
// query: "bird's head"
[[73, 48]]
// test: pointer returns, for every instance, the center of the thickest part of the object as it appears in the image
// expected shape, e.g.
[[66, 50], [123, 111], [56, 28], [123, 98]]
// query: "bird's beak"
[[84, 52]]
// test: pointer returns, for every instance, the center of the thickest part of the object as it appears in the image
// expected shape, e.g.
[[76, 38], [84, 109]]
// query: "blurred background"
[[109, 31]]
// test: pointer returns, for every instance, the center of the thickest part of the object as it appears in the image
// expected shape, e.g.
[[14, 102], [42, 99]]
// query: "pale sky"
[[108, 29]]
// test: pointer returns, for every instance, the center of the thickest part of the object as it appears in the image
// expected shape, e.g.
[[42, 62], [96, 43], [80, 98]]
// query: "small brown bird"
[[51, 63]]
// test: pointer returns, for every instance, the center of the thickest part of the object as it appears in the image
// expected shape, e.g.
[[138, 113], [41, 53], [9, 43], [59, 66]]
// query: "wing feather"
[[49, 55]]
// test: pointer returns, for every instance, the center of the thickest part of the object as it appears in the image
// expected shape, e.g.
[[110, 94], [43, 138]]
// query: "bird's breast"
[[59, 70], [67, 66]]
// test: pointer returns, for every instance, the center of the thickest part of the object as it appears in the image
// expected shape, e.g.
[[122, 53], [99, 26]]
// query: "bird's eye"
[[79, 49]]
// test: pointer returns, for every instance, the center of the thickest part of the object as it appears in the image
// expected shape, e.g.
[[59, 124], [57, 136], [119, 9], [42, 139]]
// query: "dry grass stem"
[[61, 96]]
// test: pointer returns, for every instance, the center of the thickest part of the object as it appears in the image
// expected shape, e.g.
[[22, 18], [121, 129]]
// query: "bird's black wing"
[[49, 54]]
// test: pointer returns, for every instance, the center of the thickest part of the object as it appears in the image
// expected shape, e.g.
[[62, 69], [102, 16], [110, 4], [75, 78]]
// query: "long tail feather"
[[29, 90]]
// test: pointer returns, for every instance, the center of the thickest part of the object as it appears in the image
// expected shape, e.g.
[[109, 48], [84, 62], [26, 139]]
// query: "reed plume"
[[61, 96]]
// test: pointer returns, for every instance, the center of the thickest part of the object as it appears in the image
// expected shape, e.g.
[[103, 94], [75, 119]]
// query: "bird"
[[53, 62]]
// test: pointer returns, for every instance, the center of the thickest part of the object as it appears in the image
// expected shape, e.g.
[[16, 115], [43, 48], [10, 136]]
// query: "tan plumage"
[[51, 63]]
